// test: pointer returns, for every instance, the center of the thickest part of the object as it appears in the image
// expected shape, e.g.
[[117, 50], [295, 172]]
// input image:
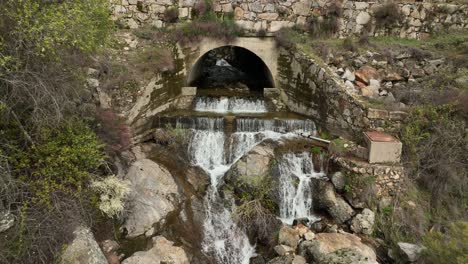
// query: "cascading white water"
[[215, 152], [276, 125], [296, 172], [230, 105], [222, 237]]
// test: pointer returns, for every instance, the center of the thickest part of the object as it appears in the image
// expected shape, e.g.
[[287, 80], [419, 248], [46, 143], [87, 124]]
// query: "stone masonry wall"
[[308, 87], [388, 178], [419, 18]]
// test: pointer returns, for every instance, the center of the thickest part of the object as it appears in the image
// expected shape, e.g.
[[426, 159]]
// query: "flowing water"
[[215, 152], [230, 105], [296, 173]]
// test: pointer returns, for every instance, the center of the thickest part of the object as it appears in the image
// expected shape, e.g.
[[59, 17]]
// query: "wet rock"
[[7, 220], [162, 251], [363, 223], [300, 221], [247, 170], [327, 243], [83, 249], [288, 236], [335, 205], [283, 250], [154, 195], [317, 227], [410, 251]]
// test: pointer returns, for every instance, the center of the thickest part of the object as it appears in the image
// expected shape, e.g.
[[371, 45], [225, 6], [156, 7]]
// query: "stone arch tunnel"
[[251, 62], [230, 65]]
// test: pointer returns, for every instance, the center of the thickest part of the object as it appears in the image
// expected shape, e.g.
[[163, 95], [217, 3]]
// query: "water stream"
[[230, 105], [296, 172], [215, 152]]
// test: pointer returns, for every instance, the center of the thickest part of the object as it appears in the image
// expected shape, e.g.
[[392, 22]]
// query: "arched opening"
[[230, 67]]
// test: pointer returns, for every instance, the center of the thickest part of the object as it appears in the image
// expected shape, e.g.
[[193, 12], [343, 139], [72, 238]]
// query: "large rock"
[[363, 223], [338, 180], [410, 251], [251, 169], [326, 243], [163, 251], [289, 236], [329, 200], [365, 73], [154, 195], [346, 256], [7, 220], [83, 249]]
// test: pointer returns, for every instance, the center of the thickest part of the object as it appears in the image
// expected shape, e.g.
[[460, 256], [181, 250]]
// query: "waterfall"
[[230, 105], [215, 151], [295, 190], [276, 125], [222, 237]]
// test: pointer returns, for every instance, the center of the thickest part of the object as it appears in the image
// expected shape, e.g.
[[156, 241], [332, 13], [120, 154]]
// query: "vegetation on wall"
[[387, 15]]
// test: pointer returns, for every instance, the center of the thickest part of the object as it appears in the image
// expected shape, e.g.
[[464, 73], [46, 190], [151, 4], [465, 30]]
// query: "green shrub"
[[61, 160], [450, 247], [436, 146], [46, 28]]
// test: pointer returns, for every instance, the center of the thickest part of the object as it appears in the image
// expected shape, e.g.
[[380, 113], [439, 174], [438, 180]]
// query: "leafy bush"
[[43, 46], [450, 247], [112, 193], [45, 28], [60, 161], [387, 15]]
